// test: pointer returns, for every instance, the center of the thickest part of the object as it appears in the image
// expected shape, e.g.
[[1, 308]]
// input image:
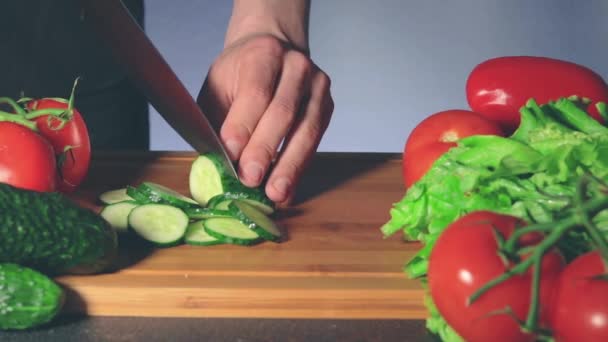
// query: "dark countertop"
[[85, 329]]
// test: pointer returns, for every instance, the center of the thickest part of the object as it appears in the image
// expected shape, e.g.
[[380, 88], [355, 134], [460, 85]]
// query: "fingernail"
[[233, 147], [282, 186], [254, 172]]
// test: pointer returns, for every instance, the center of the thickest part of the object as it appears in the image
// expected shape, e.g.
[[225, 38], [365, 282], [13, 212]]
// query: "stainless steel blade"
[[149, 71]]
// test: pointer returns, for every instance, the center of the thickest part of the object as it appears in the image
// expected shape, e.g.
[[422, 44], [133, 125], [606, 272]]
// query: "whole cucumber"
[[27, 298], [50, 233]]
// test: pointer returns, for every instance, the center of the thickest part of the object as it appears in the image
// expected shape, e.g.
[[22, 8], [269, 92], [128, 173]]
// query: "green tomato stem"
[[550, 240], [18, 119], [532, 319], [47, 111], [595, 234], [16, 107]]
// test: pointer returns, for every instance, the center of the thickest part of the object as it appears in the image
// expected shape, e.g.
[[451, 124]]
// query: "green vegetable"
[[197, 236], [114, 196], [162, 224], [533, 175], [52, 234], [230, 230], [208, 179], [117, 214], [157, 193], [27, 298]]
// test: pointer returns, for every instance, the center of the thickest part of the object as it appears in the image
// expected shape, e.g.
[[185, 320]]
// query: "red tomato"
[[465, 258], [581, 303], [74, 136], [27, 160], [499, 87], [436, 134]]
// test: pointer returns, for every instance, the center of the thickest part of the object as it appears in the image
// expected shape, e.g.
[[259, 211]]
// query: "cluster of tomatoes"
[[572, 301], [44, 144], [573, 297]]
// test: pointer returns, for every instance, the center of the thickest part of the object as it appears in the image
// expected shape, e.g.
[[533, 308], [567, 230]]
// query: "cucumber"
[[139, 196], [219, 202], [262, 203], [205, 213], [115, 196], [51, 233], [255, 220], [27, 298], [162, 224], [158, 193], [208, 178], [230, 230], [117, 214], [197, 236]]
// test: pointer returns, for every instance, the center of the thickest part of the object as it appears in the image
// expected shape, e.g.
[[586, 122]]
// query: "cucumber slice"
[[259, 201], [139, 196], [205, 213], [230, 230], [197, 236], [256, 220], [161, 194], [117, 214], [162, 224], [115, 196], [208, 179], [219, 202]]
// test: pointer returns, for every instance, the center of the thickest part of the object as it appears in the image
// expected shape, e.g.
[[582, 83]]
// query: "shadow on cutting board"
[[329, 170]]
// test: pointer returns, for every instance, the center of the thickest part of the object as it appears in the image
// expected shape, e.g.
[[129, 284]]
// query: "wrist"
[[285, 20]]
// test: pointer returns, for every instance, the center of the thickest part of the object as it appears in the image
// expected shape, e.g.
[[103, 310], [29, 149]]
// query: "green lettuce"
[[532, 175]]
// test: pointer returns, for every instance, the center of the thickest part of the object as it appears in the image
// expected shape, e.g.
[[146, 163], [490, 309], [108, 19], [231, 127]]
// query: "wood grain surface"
[[334, 263]]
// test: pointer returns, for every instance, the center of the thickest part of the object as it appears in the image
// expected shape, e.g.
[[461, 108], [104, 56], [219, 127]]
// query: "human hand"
[[262, 94]]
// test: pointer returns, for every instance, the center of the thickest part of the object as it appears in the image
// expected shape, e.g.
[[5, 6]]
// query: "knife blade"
[[150, 72]]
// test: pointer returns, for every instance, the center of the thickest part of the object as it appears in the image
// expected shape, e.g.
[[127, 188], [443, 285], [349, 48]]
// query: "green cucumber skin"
[[229, 240], [200, 213], [27, 298], [198, 225], [145, 190], [138, 196], [234, 209], [49, 232]]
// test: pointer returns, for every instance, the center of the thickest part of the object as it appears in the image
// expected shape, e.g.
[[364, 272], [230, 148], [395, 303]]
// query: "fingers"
[[302, 141], [274, 125], [256, 74]]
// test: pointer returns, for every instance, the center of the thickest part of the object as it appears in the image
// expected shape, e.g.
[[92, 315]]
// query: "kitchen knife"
[[149, 71]]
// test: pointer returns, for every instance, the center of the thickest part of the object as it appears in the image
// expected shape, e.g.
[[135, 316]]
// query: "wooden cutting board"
[[334, 264]]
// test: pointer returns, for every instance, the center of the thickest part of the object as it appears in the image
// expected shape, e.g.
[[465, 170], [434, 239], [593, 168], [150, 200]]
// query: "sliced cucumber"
[[254, 198], [219, 202], [161, 224], [196, 235], [230, 230], [208, 178], [139, 196], [161, 194], [115, 196], [205, 213], [117, 214], [256, 220]]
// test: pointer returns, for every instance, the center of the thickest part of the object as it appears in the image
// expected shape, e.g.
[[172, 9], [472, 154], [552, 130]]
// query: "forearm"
[[284, 19]]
